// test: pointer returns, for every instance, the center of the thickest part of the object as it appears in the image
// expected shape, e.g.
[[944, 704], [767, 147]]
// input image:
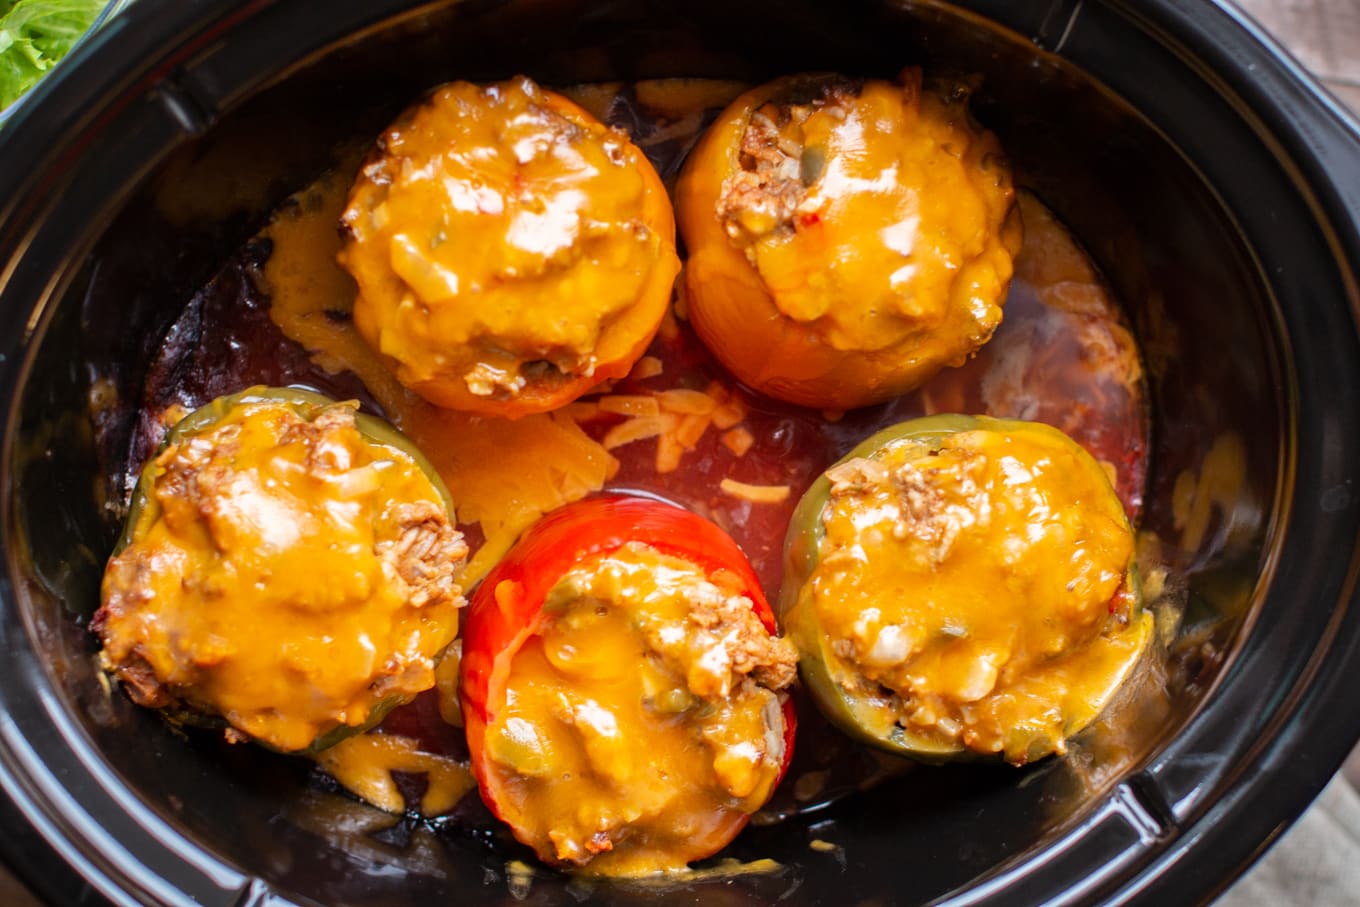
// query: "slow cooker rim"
[[1322, 142], [207, 19]]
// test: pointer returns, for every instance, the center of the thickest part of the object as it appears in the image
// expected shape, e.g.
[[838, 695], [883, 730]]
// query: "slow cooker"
[[1217, 187]]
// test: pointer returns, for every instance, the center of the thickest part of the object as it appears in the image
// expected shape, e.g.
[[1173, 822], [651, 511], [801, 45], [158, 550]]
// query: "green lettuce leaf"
[[34, 35]]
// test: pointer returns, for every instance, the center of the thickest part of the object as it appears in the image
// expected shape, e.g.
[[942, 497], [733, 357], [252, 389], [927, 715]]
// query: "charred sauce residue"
[[1062, 355]]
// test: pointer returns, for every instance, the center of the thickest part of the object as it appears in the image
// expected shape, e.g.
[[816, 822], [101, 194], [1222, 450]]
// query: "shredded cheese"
[[688, 402], [581, 411], [677, 418], [730, 410], [690, 429], [646, 367], [728, 415], [637, 428], [668, 454], [756, 494], [738, 440], [629, 404]]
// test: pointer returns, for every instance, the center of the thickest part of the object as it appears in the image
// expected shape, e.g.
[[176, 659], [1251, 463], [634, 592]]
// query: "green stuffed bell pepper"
[[963, 586], [288, 572]]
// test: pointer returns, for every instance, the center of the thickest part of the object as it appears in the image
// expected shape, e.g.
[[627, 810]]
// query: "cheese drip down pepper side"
[[289, 572], [847, 238], [964, 585], [622, 689], [511, 252]]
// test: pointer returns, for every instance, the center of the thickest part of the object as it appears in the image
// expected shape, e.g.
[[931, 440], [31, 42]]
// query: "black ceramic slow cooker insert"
[[1216, 187]]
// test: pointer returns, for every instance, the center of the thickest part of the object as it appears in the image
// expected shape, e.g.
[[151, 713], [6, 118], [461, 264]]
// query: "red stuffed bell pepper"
[[622, 688]]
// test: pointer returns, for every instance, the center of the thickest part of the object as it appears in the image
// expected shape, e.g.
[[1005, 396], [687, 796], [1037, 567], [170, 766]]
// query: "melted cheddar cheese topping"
[[287, 575], [365, 764], [510, 250], [641, 725], [976, 592]]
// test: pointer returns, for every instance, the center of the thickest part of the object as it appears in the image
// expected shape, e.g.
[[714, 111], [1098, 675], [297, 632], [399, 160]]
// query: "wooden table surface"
[[1323, 34], [1325, 37]]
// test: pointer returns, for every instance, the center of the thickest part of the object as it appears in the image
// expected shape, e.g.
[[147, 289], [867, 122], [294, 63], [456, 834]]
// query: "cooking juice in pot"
[[674, 425]]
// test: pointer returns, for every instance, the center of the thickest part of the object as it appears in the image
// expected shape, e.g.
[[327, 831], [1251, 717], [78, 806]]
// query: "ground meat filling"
[[925, 513], [428, 553], [721, 644], [766, 193]]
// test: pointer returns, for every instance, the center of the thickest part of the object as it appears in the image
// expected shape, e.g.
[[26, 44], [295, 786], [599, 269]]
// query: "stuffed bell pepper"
[[623, 689], [511, 252], [847, 238], [964, 586], [288, 572]]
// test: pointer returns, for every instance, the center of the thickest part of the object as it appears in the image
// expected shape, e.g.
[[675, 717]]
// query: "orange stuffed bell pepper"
[[510, 251], [847, 238], [622, 688]]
